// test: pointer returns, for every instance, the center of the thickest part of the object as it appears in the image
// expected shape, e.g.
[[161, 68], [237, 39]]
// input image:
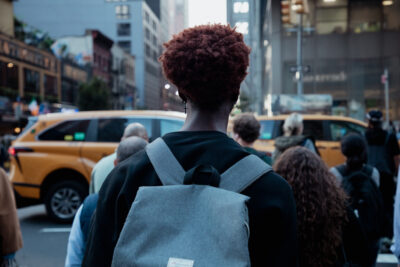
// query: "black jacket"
[[272, 214]]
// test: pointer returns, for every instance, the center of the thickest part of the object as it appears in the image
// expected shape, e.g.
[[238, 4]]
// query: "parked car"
[[327, 131], [52, 159]]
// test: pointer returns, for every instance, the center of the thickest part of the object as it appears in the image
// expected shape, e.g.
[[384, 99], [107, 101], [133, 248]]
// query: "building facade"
[[133, 25], [72, 76], [347, 45], [174, 18], [7, 17], [123, 82], [246, 17], [28, 73], [84, 57]]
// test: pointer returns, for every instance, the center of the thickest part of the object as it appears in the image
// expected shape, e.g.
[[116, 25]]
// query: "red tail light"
[[13, 151]]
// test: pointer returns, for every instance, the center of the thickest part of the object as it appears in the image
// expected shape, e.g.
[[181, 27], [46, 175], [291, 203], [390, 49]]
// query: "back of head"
[[247, 127], [293, 125], [354, 148], [135, 129], [207, 64], [320, 205], [130, 146], [375, 118]]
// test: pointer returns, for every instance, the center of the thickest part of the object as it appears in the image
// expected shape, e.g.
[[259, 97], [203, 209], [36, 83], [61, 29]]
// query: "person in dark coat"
[[207, 64], [383, 154], [293, 136]]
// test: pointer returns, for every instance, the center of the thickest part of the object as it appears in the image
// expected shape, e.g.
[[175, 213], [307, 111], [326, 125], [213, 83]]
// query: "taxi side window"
[[314, 128], [338, 129], [267, 130], [74, 130], [168, 126], [111, 129]]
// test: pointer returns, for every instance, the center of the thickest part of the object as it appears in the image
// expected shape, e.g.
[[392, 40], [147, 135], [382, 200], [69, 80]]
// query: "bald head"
[[129, 146], [135, 129]]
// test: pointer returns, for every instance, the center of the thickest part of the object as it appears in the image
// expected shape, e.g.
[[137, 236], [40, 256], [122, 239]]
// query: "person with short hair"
[[329, 233], [207, 64], [106, 164], [81, 224], [246, 130], [293, 136]]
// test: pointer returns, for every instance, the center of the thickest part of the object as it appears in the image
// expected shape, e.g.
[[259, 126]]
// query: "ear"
[[115, 162]]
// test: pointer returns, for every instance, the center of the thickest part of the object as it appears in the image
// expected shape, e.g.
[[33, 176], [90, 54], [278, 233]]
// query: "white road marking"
[[56, 230]]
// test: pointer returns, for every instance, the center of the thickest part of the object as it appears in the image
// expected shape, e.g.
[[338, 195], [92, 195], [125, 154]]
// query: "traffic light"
[[300, 6], [286, 12]]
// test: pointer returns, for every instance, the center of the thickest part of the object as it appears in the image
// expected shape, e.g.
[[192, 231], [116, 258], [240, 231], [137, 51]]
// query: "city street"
[[45, 242]]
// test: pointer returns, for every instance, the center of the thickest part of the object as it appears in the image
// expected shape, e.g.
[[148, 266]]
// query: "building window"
[[31, 83], [8, 78], [147, 17], [331, 20], [50, 88], [148, 51], [154, 40], [154, 25], [126, 45], [365, 17], [241, 7], [124, 29], [147, 31], [391, 17], [122, 11], [242, 27], [155, 56]]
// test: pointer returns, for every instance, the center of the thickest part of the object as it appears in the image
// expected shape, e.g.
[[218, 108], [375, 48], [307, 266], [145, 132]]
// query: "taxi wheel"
[[63, 200]]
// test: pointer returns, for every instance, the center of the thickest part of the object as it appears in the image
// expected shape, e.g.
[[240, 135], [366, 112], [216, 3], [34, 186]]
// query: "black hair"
[[354, 147]]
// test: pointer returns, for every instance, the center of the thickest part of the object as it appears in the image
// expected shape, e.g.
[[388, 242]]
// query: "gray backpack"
[[186, 225]]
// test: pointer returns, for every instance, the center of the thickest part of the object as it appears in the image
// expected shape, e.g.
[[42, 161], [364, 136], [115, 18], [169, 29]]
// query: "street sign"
[[383, 79], [305, 69]]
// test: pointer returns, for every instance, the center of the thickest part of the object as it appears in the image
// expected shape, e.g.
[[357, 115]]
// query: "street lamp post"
[[299, 55]]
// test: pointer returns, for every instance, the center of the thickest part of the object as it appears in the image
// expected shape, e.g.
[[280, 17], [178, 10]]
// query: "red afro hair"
[[207, 63]]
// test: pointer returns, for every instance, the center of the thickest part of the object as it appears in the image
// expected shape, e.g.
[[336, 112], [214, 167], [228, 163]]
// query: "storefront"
[[27, 76]]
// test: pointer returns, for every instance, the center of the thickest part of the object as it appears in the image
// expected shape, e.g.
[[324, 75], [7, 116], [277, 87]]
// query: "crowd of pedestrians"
[[197, 197]]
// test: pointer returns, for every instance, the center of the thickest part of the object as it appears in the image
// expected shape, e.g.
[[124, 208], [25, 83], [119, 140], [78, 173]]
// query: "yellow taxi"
[[52, 159], [327, 131]]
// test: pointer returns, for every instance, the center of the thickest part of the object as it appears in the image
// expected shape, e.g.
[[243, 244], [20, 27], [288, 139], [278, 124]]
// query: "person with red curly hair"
[[207, 64]]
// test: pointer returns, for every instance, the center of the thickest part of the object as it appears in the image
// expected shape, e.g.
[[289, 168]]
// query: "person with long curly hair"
[[207, 64], [328, 232]]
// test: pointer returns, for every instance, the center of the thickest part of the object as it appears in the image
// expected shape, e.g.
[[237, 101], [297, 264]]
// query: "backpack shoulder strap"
[[342, 169], [242, 174], [167, 167], [368, 170]]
